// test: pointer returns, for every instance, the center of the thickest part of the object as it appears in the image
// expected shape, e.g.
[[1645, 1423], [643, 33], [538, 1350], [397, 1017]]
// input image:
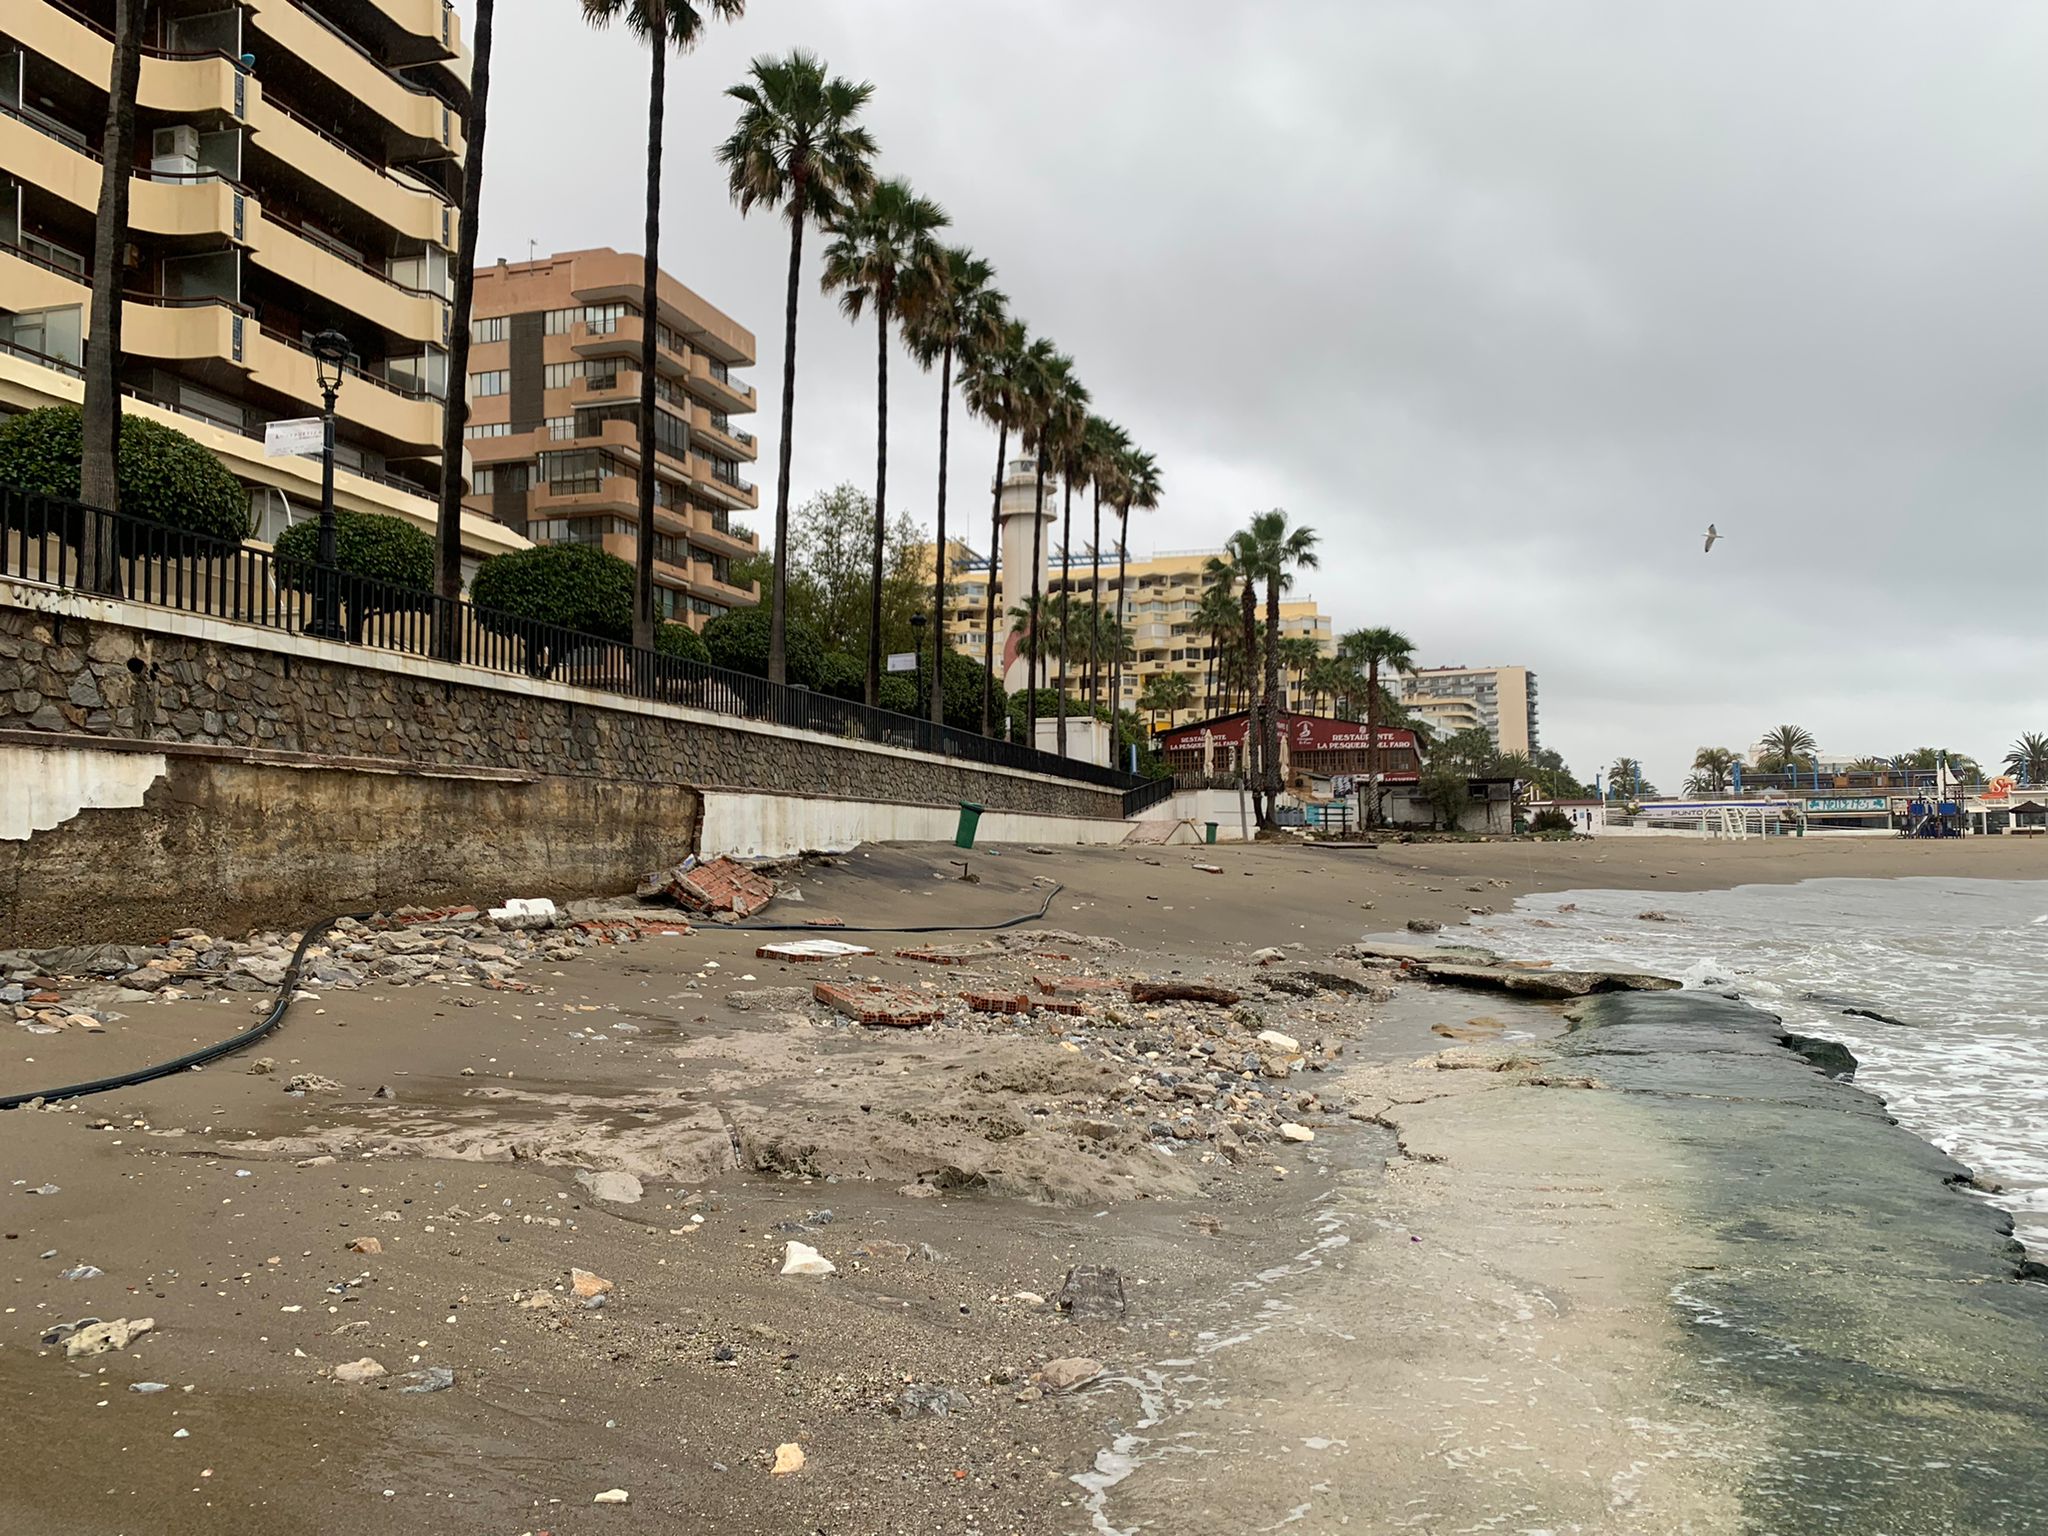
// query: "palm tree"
[[945, 309], [889, 237], [2028, 758], [1168, 693], [1104, 447], [1376, 649], [1216, 617], [796, 147], [1032, 623], [1327, 680], [455, 412], [1714, 764], [1278, 551], [99, 483], [1297, 654], [990, 372], [664, 24], [1070, 454], [1056, 407], [1623, 775], [1137, 486], [1783, 748]]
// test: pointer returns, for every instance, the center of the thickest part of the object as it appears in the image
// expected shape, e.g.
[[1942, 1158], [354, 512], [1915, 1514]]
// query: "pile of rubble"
[[79, 987]]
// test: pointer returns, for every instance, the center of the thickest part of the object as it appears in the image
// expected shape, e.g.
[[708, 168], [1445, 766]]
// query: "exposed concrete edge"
[[754, 823], [34, 597], [273, 757], [37, 795]]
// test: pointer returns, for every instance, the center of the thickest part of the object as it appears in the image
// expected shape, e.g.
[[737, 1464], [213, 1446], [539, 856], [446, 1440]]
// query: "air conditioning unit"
[[175, 151]]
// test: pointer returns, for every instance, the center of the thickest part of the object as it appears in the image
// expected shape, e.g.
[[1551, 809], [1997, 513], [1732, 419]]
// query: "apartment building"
[[295, 171], [1498, 700], [554, 426], [1164, 591]]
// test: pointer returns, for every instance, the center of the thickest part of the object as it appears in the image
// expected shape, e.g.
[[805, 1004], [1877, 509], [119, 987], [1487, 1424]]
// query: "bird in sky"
[[1713, 533]]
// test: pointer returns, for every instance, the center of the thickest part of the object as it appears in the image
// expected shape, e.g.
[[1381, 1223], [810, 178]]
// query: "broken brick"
[[949, 954], [719, 886], [997, 1002], [883, 1006]]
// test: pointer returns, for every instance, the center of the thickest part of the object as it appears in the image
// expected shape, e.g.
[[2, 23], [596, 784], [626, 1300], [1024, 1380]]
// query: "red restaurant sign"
[[1305, 733]]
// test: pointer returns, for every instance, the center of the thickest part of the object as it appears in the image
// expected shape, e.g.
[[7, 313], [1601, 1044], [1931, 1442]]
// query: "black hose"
[[822, 929], [204, 1054], [290, 984]]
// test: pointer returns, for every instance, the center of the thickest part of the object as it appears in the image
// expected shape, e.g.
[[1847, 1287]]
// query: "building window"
[[488, 429], [484, 385], [602, 319], [483, 482], [577, 530], [561, 428], [482, 332], [51, 333]]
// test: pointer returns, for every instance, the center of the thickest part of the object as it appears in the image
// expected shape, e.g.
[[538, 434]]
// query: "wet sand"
[[1521, 1366]]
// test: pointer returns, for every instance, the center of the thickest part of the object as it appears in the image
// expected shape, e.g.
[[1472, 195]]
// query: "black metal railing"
[[66, 544], [1152, 792]]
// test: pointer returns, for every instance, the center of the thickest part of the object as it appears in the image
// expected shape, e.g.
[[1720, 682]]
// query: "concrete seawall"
[[160, 768]]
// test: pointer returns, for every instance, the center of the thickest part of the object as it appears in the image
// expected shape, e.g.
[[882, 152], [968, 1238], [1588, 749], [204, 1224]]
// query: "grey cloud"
[[1507, 300]]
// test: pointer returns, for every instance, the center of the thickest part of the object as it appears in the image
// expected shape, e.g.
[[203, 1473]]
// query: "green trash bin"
[[970, 818], [1212, 830]]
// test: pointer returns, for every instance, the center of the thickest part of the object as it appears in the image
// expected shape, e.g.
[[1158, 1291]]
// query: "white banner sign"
[[284, 439], [903, 661]]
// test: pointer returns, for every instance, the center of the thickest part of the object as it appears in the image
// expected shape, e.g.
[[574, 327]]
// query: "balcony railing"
[[43, 539]]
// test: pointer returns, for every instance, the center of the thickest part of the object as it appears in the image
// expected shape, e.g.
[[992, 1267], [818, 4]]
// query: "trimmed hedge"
[[372, 545], [165, 476], [738, 641], [681, 642], [573, 586]]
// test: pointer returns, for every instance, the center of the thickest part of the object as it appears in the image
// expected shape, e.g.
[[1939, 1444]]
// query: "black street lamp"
[[331, 357]]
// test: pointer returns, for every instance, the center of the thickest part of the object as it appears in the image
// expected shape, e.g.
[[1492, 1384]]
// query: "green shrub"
[[574, 586], [372, 545], [1550, 819], [165, 476], [962, 677], [681, 642], [841, 676], [898, 694], [738, 641]]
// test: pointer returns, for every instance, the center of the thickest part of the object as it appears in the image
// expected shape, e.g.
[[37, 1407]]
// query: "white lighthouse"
[[1020, 501]]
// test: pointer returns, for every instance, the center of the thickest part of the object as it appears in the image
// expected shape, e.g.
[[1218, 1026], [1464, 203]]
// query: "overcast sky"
[[1508, 301]]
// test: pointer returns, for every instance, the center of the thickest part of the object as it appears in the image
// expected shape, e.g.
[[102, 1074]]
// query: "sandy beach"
[[1463, 1291]]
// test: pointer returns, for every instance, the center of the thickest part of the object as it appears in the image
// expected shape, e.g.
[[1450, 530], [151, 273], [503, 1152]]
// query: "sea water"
[[1962, 965]]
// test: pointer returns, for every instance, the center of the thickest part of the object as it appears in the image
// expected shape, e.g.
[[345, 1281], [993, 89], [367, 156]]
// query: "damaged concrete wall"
[[103, 667], [229, 777], [228, 842]]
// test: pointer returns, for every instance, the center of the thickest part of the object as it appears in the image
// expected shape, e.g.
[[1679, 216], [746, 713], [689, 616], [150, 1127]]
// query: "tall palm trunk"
[[1116, 636], [1031, 654], [1066, 603], [988, 618], [1254, 743], [874, 688], [99, 478], [1095, 635], [939, 562], [455, 414], [778, 600], [650, 330], [1270, 719], [1372, 737]]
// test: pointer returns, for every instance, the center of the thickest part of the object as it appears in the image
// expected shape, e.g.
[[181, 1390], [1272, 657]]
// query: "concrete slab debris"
[[721, 885], [883, 1006], [951, 954], [1077, 986], [811, 949]]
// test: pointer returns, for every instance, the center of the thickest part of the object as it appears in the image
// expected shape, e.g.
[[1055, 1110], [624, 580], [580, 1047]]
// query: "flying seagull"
[[1713, 533]]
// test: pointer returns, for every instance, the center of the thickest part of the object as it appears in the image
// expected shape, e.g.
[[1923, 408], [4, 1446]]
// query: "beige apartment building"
[[554, 425], [1498, 700], [1164, 591], [295, 171]]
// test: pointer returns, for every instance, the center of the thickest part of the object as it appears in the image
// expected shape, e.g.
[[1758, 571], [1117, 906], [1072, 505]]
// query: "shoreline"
[[1499, 1244]]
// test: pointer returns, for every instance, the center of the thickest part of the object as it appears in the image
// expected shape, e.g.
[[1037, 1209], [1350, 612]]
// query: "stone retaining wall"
[[176, 677]]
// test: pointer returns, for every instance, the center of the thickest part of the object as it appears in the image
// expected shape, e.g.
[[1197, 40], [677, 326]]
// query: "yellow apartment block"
[[295, 171]]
